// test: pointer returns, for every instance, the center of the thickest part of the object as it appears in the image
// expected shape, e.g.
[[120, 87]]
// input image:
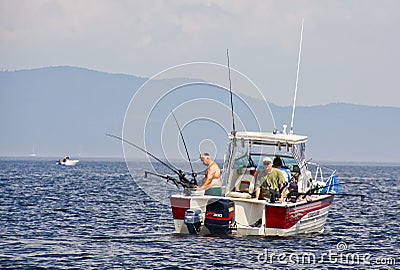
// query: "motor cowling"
[[193, 220], [220, 216]]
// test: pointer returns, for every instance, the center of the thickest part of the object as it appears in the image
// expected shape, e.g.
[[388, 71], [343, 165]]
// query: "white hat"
[[267, 160]]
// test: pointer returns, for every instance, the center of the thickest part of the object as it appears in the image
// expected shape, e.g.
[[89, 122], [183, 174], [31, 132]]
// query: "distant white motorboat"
[[66, 161]]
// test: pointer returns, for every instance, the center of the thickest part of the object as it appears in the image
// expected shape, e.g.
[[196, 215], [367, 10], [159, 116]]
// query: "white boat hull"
[[68, 162], [277, 219]]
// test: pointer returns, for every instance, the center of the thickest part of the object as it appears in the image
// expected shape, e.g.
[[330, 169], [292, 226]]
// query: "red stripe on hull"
[[284, 218], [179, 207]]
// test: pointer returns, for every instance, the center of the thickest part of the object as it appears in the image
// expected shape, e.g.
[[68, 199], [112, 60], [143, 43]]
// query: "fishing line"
[[184, 143], [175, 170]]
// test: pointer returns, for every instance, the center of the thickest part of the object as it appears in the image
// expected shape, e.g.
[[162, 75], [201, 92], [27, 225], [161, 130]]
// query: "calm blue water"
[[94, 215]]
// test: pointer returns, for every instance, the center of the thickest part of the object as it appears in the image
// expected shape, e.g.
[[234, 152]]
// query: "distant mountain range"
[[63, 111], [68, 110]]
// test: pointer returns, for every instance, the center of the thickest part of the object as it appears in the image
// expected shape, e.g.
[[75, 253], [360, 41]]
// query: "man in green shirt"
[[270, 181]]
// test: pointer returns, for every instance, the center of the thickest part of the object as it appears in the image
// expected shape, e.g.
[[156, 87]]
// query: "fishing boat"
[[66, 161], [237, 212]]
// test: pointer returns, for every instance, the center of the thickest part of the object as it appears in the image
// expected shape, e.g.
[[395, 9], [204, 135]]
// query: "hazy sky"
[[350, 48]]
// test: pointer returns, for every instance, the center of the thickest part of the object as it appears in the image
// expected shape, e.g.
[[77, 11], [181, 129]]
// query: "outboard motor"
[[193, 220], [220, 216]]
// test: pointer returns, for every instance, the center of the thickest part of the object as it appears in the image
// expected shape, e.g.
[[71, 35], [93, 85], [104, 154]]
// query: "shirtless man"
[[213, 173]]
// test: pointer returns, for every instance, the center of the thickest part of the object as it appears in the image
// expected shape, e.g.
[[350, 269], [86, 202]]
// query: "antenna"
[[297, 78], [230, 90], [184, 143]]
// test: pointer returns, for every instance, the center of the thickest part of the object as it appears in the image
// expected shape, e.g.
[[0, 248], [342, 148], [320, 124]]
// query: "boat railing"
[[319, 171], [324, 180]]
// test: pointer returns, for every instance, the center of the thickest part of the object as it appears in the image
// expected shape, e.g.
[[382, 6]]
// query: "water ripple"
[[94, 215]]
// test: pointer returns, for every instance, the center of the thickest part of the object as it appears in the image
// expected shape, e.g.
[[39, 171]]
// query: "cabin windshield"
[[246, 159]]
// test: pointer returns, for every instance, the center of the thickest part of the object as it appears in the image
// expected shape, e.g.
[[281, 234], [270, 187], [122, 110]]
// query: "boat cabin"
[[246, 152]]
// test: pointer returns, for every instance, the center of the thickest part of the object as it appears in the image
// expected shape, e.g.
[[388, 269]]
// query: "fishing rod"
[[184, 143], [183, 181], [145, 151], [230, 90], [317, 187], [166, 176], [362, 196]]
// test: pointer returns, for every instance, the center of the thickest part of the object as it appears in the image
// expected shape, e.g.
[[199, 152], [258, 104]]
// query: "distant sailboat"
[[33, 154]]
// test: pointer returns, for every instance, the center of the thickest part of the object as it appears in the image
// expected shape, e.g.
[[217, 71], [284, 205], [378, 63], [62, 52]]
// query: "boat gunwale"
[[256, 201]]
